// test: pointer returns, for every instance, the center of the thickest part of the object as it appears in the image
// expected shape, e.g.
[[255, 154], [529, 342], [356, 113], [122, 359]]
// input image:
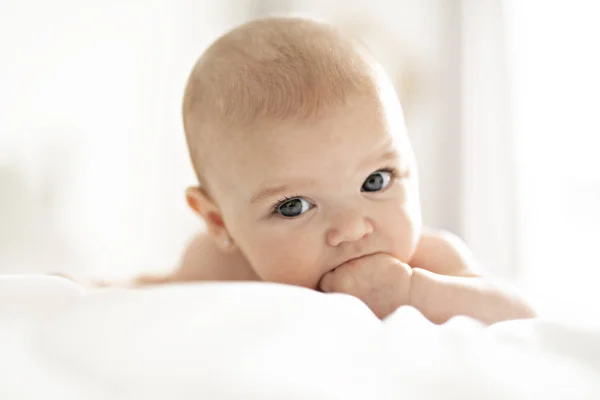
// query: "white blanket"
[[265, 341]]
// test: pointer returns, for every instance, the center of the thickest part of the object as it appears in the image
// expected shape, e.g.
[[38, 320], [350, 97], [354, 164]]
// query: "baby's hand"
[[379, 280]]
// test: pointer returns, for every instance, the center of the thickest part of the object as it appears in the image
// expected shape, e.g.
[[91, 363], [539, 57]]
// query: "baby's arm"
[[445, 283], [440, 297], [441, 282]]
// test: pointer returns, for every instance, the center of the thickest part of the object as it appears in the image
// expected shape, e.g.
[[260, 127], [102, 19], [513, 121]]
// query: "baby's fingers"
[[339, 280], [326, 282]]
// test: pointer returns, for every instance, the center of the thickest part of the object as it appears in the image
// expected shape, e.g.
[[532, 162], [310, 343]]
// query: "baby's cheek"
[[400, 227], [286, 261]]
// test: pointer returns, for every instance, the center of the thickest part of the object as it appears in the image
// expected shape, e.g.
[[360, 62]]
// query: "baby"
[[307, 177]]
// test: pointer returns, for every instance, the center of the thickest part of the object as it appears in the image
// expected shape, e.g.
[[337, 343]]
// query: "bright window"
[[555, 71]]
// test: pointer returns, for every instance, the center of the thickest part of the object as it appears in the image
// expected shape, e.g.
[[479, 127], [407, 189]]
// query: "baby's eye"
[[293, 207], [377, 181]]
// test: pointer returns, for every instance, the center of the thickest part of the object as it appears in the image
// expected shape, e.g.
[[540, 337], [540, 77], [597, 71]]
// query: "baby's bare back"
[[204, 261]]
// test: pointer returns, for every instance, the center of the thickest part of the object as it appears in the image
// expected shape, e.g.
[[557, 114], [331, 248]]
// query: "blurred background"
[[501, 102]]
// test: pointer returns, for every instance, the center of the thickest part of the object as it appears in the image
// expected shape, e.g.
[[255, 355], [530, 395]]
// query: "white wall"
[[488, 189], [555, 87], [92, 157]]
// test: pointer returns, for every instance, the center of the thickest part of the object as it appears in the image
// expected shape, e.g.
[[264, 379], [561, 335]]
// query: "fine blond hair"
[[269, 70]]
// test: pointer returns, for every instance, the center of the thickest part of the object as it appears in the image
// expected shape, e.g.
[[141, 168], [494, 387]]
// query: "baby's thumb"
[[326, 282]]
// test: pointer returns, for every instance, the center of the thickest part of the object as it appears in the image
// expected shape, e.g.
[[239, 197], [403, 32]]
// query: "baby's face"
[[301, 199]]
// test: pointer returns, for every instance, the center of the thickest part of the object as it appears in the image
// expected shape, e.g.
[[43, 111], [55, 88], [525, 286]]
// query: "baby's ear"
[[203, 205]]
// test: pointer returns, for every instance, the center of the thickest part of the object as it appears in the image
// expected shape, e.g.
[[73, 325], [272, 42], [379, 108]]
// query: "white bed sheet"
[[263, 341]]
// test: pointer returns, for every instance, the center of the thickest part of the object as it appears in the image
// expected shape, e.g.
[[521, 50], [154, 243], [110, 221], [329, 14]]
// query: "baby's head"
[[299, 144]]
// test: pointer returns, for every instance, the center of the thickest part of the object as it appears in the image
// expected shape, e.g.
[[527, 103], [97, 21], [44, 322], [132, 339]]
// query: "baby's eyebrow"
[[268, 192], [389, 155]]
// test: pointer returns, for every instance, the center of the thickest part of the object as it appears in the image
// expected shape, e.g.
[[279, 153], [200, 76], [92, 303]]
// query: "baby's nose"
[[349, 226]]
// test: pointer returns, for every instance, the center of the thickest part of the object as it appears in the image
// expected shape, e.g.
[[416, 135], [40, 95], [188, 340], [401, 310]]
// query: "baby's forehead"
[[326, 159], [342, 138]]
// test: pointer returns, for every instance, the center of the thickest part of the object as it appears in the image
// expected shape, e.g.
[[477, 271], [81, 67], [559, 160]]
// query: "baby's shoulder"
[[444, 253], [203, 260]]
